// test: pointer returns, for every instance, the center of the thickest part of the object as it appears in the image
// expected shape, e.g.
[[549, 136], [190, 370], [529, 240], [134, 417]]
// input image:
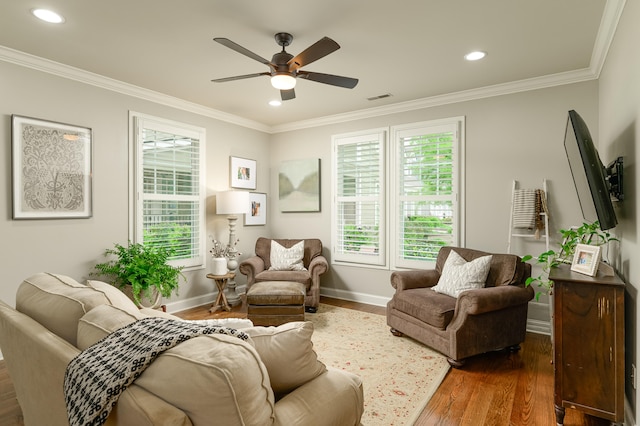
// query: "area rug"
[[399, 374]]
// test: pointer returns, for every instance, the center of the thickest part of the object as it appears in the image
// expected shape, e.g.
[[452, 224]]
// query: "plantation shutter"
[[170, 205], [426, 193], [358, 226]]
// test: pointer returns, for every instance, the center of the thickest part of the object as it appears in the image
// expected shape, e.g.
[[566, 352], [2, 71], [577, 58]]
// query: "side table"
[[221, 283]]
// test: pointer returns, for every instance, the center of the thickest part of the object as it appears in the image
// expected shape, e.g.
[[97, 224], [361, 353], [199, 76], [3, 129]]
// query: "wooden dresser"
[[588, 324]]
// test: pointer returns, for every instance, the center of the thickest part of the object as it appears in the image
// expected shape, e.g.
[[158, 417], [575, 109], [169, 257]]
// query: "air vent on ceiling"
[[375, 98]]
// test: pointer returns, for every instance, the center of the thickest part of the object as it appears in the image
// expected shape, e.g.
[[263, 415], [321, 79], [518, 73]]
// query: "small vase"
[[219, 266]]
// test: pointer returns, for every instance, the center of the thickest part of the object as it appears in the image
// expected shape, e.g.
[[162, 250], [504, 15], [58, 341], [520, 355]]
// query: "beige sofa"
[[273, 378]]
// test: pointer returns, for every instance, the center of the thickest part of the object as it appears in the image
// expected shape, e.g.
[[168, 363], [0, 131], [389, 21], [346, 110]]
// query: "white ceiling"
[[412, 49]]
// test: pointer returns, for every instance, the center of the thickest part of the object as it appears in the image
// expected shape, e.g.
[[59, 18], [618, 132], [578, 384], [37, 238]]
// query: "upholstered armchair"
[[477, 321], [257, 268]]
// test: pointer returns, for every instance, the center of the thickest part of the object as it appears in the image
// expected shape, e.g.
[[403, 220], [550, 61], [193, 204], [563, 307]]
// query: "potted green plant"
[[587, 233], [141, 269]]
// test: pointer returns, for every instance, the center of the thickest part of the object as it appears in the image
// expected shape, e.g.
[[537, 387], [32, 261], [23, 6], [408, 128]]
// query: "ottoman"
[[275, 302]]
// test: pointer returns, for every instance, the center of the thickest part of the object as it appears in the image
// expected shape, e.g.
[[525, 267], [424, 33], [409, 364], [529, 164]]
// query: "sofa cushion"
[[214, 379], [211, 376], [286, 259], [301, 277], [115, 296], [287, 352], [458, 275], [101, 321], [57, 302], [424, 304]]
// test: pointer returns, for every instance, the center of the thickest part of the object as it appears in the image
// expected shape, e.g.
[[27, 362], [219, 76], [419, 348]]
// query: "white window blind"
[[358, 219], [426, 190], [169, 189]]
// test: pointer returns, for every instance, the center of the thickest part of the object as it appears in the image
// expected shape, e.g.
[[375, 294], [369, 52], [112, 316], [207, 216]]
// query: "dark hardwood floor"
[[494, 389]]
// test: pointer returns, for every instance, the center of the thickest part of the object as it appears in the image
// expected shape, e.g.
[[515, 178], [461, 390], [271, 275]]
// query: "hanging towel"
[[541, 207], [524, 208]]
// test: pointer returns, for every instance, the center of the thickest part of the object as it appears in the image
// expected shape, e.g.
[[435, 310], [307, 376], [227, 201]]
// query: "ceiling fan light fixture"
[[283, 81]]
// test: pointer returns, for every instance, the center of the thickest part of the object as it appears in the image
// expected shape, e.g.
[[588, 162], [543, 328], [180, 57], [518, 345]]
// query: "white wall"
[[518, 136], [72, 247], [619, 112]]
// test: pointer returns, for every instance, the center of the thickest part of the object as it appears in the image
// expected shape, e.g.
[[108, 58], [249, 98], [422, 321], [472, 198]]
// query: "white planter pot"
[[218, 266]]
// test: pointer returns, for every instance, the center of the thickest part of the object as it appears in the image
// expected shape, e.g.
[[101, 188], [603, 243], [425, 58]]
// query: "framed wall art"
[[243, 173], [586, 259], [51, 169], [299, 185], [258, 213]]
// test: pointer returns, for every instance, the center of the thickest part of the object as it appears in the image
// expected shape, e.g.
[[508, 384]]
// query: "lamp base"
[[232, 296]]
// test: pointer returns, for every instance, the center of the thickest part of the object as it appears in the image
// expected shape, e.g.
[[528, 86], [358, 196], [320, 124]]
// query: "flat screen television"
[[595, 184]]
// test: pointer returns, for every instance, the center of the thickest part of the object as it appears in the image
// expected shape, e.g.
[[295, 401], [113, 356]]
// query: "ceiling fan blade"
[[287, 95], [239, 77], [334, 80], [246, 52], [318, 50]]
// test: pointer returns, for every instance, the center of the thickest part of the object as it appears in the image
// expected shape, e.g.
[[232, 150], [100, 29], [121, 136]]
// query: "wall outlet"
[[634, 376]]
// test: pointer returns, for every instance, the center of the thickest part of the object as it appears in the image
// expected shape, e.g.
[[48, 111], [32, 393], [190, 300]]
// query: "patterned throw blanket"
[[98, 375]]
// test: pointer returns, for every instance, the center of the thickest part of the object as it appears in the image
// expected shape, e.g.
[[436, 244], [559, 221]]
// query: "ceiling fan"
[[285, 68]]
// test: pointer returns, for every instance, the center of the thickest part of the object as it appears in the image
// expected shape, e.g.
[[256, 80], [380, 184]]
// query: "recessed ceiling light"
[[47, 16], [474, 56], [275, 103]]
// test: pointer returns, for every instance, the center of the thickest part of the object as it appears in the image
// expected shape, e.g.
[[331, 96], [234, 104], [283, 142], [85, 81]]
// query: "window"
[[169, 180], [358, 218], [409, 199]]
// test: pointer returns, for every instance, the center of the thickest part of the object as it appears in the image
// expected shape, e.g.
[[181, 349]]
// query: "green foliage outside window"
[[176, 238]]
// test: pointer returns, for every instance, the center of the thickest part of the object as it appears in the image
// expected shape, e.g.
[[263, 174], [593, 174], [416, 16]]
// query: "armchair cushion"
[[459, 275], [433, 308], [286, 259]]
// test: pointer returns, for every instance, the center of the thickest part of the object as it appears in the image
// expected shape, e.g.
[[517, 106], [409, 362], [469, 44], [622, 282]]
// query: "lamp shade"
[[232, 202]]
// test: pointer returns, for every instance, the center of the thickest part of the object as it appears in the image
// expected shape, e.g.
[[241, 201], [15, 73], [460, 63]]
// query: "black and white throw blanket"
[[98, 375]]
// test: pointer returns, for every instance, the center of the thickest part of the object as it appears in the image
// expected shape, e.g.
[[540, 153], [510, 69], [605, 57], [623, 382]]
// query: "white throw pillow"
[[287, 259], [459, 275]]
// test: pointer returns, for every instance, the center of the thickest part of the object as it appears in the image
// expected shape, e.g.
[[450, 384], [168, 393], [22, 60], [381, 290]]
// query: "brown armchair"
[[477, 321], [256, 268]]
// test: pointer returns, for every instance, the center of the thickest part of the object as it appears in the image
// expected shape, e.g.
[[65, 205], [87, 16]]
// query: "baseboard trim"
[[539, 327], [355, 296]]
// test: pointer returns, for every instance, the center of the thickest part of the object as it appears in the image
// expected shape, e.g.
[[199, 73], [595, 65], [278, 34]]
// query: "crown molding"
[[610, 18], [449, 98], [65, 71]]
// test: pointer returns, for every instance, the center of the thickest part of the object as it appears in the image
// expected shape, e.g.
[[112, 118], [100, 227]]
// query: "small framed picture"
[[586, 259], [51, 165], [258, 213], [243, 173]]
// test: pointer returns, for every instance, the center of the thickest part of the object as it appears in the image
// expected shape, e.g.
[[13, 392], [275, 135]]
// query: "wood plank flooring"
[[494, 389]]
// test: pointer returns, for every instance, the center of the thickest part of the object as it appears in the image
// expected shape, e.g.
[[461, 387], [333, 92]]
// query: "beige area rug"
[[399, 374]]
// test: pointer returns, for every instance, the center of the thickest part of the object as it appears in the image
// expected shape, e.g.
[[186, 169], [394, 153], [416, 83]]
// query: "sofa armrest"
[[317, 267], [405, 280], [479, 301], [251, 267], [307, 405]]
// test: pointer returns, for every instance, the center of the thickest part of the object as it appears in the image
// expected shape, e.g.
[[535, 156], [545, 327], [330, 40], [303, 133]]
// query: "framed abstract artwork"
[[258, 213], [299, 185], [243, 173], [51, 169]]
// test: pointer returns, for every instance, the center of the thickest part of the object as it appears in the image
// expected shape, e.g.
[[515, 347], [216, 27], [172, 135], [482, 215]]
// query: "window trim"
[[136, 181]]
